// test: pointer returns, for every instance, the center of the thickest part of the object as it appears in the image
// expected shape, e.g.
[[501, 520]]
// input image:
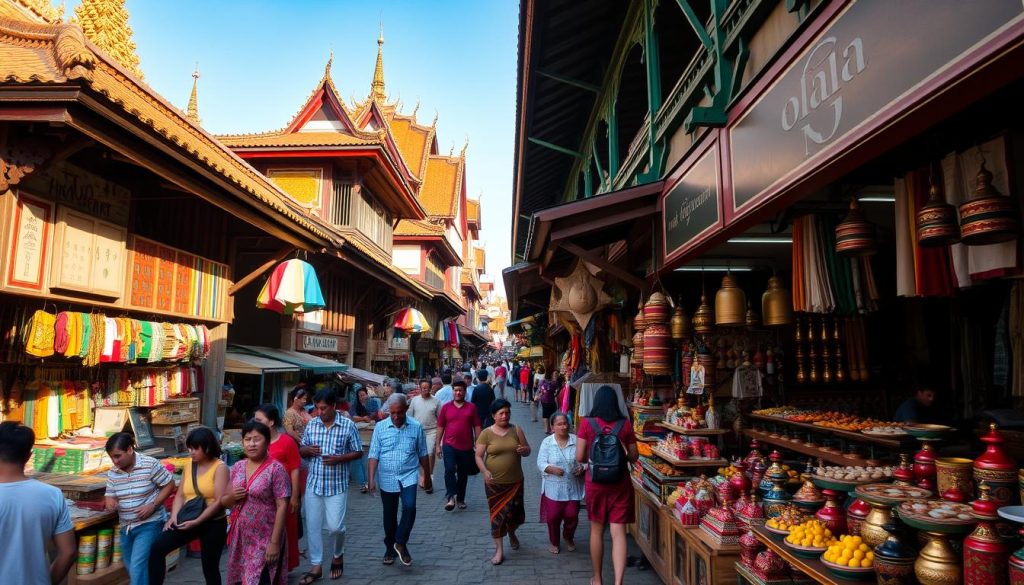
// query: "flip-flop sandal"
[[309, 577], [337, 566], [462, 505], [497, 562], [554, 550], [388, 560], [570, 546], [513, 541]]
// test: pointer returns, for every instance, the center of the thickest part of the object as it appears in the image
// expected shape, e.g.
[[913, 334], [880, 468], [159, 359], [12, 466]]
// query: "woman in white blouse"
[[562, 487]]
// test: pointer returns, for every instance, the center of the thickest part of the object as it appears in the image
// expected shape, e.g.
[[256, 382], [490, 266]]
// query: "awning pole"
[[262, 378]]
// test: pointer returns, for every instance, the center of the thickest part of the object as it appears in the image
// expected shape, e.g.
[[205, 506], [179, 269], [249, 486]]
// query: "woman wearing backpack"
[[606, 441], [547, 390]]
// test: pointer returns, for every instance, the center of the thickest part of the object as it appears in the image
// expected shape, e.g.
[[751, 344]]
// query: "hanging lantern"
[[752, 319], [680, 324], [730, 303], [776, 304], [703, 319], [855, 236], [656, 309], [988, 217], [657, 350], [937, 221], [637, 357], [639, 323]]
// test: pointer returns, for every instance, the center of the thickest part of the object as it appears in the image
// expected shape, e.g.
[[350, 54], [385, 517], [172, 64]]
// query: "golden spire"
[[462, 154], [192, 113], [330, 60], [44, 9], [377, 86], [105, 23]]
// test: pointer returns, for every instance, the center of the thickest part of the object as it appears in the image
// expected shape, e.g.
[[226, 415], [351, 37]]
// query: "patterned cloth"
[[508, 512], [253, 524], [398, 450], [340, 438], [136, 488]]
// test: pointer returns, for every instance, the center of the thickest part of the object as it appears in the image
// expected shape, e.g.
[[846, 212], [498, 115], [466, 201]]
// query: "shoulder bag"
[[193, 508]]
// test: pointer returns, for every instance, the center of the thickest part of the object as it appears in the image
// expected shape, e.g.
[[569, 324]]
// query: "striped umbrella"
[[292, 288], [409, 320]]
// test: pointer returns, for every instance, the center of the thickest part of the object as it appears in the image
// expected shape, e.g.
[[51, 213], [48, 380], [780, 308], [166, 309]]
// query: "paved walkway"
[[455, 547]]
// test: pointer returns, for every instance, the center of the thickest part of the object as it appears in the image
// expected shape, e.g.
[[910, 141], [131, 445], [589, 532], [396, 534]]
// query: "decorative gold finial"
[[434, 123], [415, 109], [451, 151], [105, 23], [192, 112], [330, 60], [377, 86], [465, 145]]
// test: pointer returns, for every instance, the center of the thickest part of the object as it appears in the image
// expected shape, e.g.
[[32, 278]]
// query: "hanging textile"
[[933, 267], [818, 281], [993, 260], [905, 235], [1016, 331], [797, 287]]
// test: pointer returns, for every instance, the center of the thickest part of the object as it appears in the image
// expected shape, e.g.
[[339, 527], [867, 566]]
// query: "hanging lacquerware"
[[937, 221], [703, 319], [988, 217], [855, 236]]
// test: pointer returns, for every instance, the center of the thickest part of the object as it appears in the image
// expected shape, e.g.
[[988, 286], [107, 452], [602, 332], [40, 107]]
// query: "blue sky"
[[259, 61]]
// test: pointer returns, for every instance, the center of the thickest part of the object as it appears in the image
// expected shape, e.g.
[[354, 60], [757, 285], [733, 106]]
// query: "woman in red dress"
[[284, 450], [607, 503]]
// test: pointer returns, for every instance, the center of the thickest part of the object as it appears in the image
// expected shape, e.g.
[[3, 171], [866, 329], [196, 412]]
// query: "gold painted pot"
[[872, 530], [938, 563], [954, 472], [703, 319]]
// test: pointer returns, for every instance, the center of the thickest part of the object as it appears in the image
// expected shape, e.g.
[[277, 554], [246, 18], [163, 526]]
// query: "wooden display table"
[[692, 432], [115, 574], [799, 447], [681, 555], [695, 462], [813, 568], [746, 576]]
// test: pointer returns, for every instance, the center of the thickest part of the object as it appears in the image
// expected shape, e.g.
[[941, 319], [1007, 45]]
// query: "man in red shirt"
[[458, 426], [526, 382], [500, 375]]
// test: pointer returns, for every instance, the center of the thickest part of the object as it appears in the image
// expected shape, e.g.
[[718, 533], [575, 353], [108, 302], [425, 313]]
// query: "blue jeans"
[[396, 531], [456, 463], [358, 470], [135, 545]]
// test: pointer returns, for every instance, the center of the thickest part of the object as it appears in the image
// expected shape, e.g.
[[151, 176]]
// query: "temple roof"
[[442, 185], [473, 212], [413, 228], [31, 52], [192, 111], [297, 139], [480, 256], [415, 141]]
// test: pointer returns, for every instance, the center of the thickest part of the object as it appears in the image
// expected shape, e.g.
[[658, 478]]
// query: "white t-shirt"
[[31, 513], [425, 411]]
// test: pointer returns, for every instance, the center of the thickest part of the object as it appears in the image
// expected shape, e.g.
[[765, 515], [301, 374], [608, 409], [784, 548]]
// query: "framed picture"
[[29, 242]]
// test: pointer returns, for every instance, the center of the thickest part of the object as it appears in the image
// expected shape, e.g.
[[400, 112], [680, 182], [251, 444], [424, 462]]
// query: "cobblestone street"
[[455, 547]]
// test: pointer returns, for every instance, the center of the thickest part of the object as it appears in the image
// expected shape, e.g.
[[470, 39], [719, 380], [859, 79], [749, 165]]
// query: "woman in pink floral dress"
[[259, 489]]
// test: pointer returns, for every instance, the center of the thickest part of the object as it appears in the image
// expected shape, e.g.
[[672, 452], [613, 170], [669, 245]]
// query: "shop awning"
[[471, 336], [244, 363], [361, 376], [305, 362]]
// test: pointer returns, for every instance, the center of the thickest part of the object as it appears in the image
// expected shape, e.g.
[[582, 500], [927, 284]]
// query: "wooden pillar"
[[213, 372], [652, 60]]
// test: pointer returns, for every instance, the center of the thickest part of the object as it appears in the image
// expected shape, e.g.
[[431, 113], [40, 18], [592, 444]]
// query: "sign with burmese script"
[[81, 190], [322, 343], [691, 204], [855, 76]]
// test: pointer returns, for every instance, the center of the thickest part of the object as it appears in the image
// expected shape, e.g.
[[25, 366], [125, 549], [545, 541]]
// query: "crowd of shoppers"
[[297, 461]]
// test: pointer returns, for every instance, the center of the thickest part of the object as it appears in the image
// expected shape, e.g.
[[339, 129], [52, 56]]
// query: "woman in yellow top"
[[211, 526], [500, 449]]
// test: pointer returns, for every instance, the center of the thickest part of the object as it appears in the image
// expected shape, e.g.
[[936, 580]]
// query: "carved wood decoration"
[[17, 160]]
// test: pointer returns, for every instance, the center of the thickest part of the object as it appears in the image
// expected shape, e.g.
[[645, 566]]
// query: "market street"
[[455, 547]]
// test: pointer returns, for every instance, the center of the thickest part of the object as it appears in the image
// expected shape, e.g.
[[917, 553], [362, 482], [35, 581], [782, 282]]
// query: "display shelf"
[[93, 519], [813, 568], [692, 432], [817, 453], [115, 574], [688, 462], [855, 436], [638, 486]]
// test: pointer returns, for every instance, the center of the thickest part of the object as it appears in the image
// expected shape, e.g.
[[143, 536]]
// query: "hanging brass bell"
[[703, 319], [988, 217], [730, 303], [776, 304], [680, 324]]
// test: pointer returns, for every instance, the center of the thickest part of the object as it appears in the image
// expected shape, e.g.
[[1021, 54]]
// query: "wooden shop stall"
[[117, 217]]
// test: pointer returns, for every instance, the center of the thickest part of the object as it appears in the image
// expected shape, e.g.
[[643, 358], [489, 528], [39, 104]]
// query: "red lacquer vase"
[[832, 514], [996, 469], [986, 554]]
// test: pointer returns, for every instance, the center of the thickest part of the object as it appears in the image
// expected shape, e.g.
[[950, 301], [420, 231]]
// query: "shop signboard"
[[66, 184], [869, 65], [321, 343], [690, 208]]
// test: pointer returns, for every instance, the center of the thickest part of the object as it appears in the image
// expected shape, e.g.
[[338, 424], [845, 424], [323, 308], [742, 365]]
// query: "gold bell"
[[680, 324], [703, 319], [730, 303], [752, 319], [776, 304]]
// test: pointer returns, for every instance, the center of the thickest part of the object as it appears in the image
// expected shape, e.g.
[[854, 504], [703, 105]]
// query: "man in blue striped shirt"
[[398, 451], [330, 441]]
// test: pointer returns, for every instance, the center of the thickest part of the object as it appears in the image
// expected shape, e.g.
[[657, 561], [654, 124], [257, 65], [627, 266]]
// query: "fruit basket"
[[850, 558]]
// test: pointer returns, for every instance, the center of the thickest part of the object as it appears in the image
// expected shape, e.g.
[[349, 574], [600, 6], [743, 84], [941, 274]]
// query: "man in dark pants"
[[482, 397], [458, 426], [398, 450]]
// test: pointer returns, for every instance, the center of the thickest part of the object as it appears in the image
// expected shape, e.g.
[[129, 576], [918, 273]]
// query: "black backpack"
[[607, 454]]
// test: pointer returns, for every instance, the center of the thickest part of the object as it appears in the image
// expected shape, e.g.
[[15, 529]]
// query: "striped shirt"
[[342, 437], [398, 450], [136, 488]]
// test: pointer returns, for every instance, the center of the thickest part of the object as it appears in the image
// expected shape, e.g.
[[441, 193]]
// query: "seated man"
[[917, 409]]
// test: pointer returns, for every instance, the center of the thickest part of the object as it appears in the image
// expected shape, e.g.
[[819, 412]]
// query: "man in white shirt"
[[424, 408], [32, 514], [444, 395]]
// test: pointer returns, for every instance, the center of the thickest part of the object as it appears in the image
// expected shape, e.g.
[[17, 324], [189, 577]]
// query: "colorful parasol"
[[409, 320], [292, 288]]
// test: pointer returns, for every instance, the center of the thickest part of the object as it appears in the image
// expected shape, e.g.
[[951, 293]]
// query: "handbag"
[[193, 508]]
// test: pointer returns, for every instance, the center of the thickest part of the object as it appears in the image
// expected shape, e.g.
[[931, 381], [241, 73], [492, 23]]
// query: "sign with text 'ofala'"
[[847, 81], [691, 204]]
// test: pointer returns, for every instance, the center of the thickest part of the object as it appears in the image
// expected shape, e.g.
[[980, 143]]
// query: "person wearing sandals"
[[458, 425], [286, 452], [330, 441], [562, 484], [260, 489], [424, 408], [398, 450], [500, 449]]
